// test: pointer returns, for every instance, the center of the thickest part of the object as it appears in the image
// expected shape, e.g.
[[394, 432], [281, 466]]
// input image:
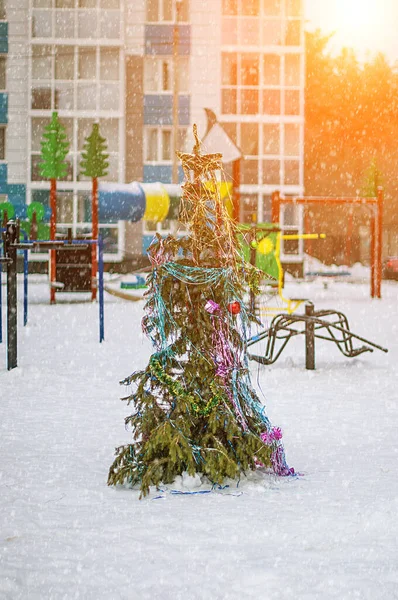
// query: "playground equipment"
[[11, 245], [263, 250], [376, 207], [330, 325], [261, 244]]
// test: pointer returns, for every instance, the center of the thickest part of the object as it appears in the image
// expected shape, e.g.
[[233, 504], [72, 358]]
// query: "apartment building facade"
[[114, 62]]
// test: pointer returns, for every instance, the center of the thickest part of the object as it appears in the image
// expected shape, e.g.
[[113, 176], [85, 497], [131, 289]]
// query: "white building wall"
[[205, 63], [135, 16], [17, 88]]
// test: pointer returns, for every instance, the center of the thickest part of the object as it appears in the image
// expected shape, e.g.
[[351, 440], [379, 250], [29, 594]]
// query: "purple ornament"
[[268, 437], [212, 307], [276, 433]]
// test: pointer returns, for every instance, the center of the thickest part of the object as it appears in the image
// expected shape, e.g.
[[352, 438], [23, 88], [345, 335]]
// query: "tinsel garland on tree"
[[195, 409]]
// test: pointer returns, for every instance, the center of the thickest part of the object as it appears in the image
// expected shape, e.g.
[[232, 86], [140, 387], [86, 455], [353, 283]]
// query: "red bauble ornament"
[[234, 308]]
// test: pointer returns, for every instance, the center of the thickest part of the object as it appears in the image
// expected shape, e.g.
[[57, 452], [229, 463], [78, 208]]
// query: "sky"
[[364, 25]]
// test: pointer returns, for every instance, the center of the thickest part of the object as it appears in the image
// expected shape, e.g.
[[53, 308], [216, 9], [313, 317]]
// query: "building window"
[[272, 32], [292, 139], [272, 7], [292, 69], [158, 144], [159, 74], [228, 102], [292, 102], [109, 64], [64, 26], [64, 62], [271, 172], [41, 98], [249, 139], [292, 33], [151, 154], [271, 139], [249, 69], [230, 7], [292, 172], [76, 18], [248, 208], [2, 143], [240, 80], [42, 24], [167, 10], [165, 145], [272, 69], [249, 32], [55, 69], [229, 68], [110, 238], [65, 206], [271, 102], [249, 172], [42, 62], [248, 102], [250, 8], [87, 61], [229, 31], [293, 8], [3, 67], [38, 125]]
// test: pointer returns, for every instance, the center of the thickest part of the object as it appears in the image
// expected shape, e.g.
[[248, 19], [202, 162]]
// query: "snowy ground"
[[331, 533]]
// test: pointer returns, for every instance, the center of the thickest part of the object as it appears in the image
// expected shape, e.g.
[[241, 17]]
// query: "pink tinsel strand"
[[222, 356], [279, 463]]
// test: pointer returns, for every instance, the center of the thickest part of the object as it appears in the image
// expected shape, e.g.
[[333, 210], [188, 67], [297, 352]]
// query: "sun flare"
[[359, 24], [357, 17]]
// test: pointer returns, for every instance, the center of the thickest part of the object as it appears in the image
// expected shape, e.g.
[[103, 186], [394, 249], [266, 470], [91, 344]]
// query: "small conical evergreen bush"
[[54, 148]]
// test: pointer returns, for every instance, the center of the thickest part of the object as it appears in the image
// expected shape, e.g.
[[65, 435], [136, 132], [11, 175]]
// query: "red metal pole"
[[94, 217], [348, 241], [275, 207], [379, 229], [53, 228], [372, 254], [307, 227], [236, 190]]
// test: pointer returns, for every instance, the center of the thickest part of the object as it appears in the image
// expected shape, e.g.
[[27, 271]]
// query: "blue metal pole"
[[101, 288], [1, 303], [25, 281]]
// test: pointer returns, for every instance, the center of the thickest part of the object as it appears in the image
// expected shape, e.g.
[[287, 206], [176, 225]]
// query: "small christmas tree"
[[94, 165], [195, 409], [54, 148]]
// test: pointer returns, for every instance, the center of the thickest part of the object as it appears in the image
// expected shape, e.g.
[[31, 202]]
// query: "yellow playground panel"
[[264, 251]]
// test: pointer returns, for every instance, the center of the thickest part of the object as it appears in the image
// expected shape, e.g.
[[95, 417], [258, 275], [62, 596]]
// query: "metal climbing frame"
[[11, 244]]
